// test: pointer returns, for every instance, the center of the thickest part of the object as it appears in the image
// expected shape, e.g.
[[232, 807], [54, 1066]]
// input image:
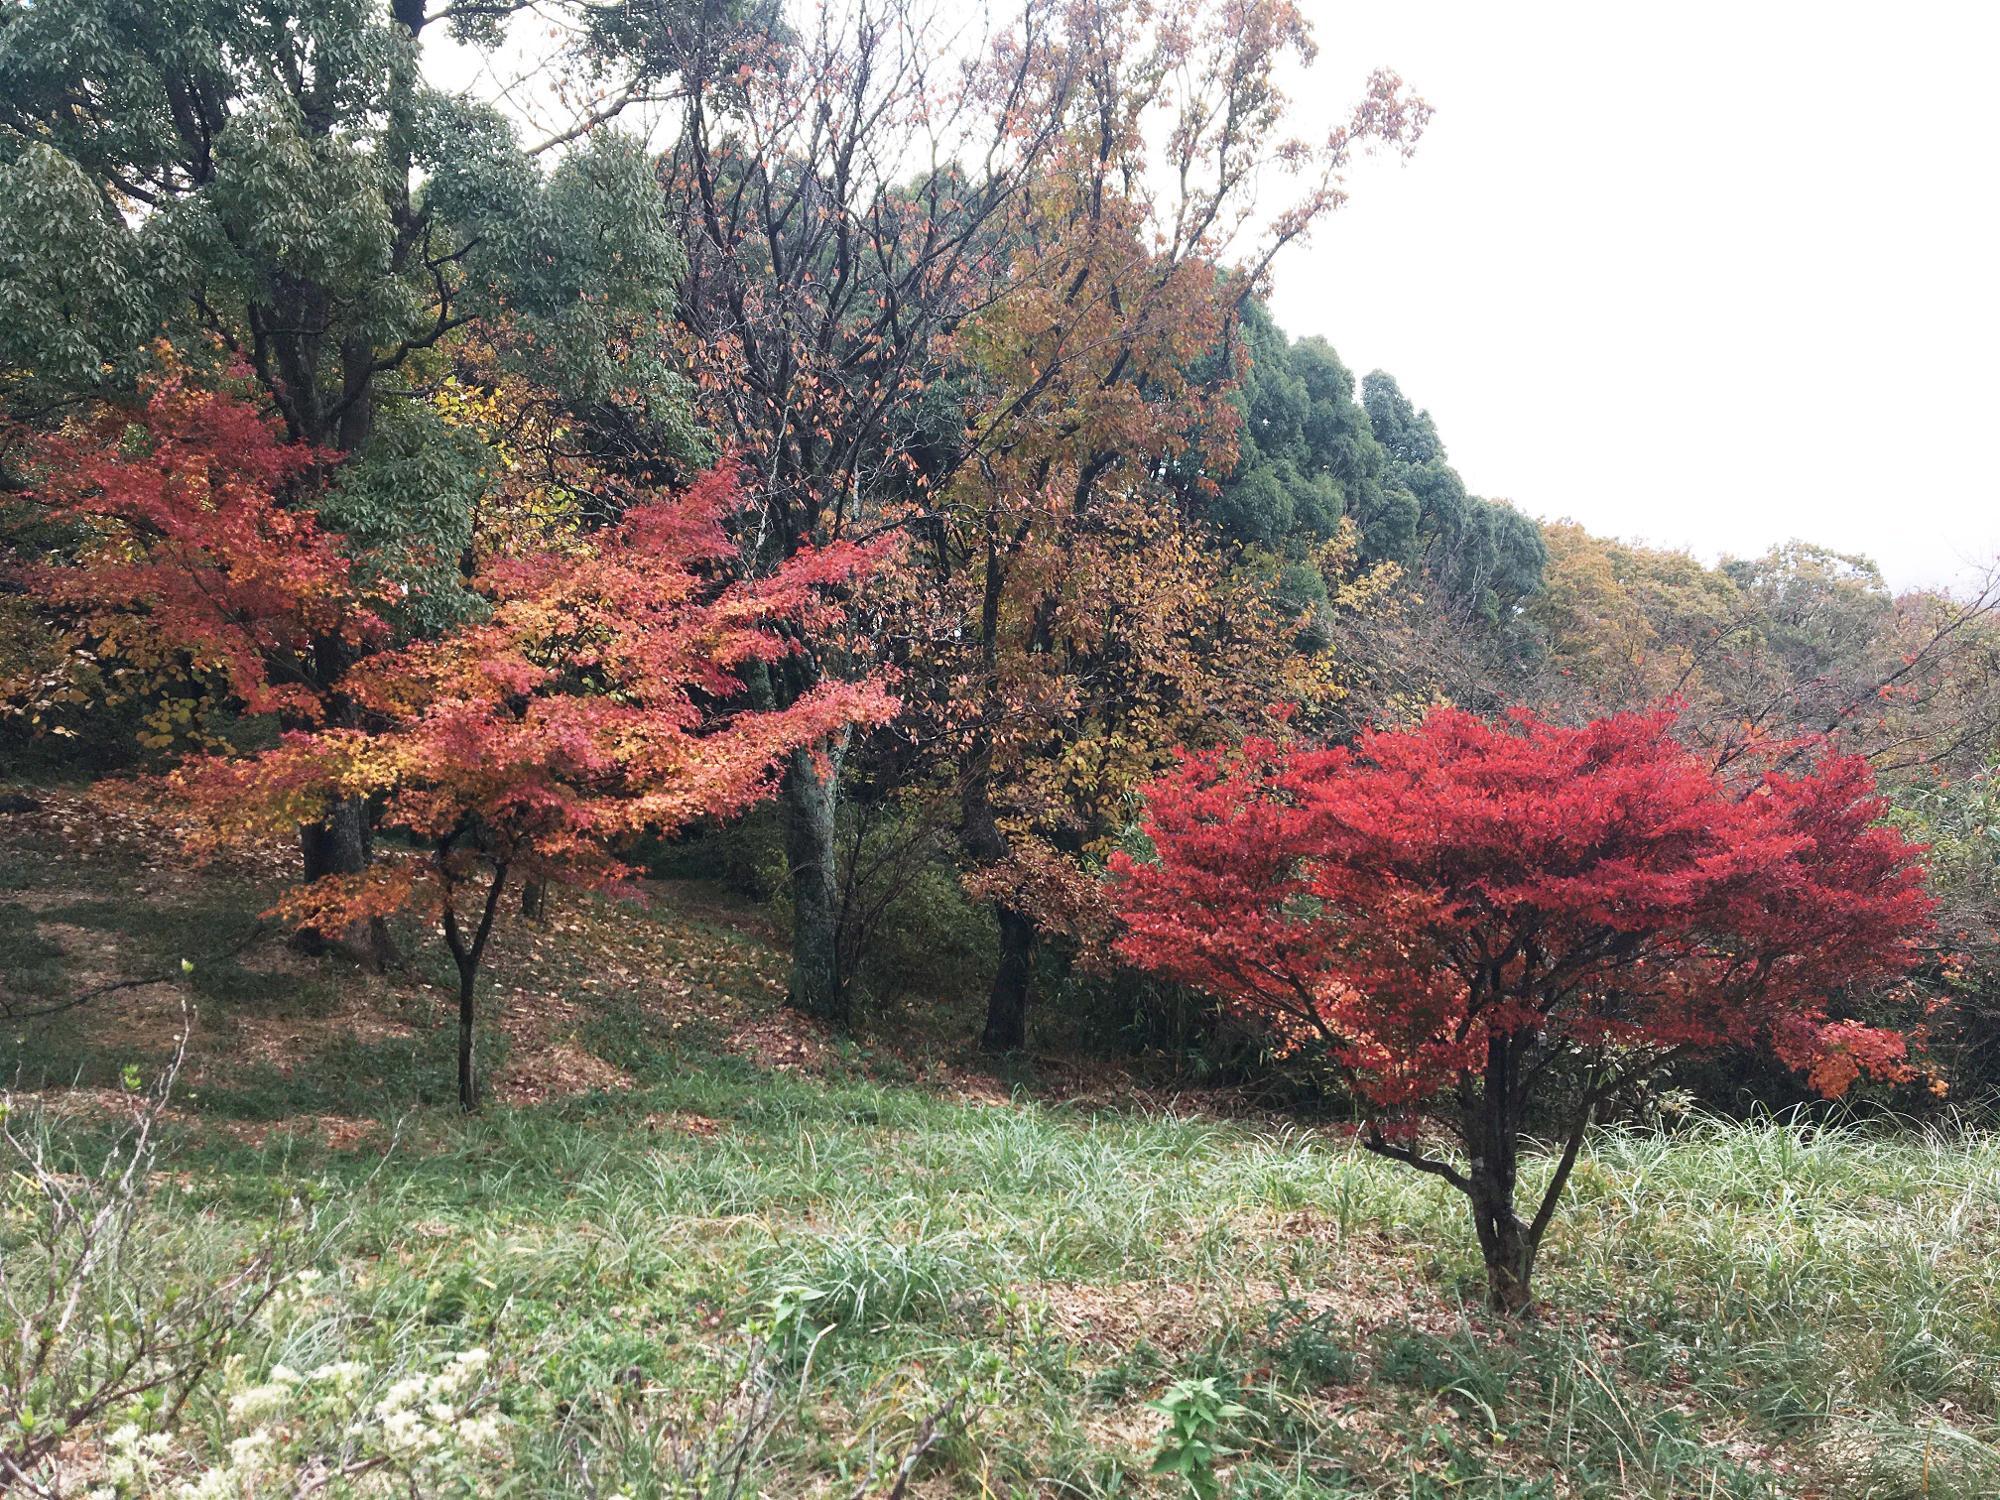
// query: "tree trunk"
[[467, 956], [535, 901], [338, 845], [1508, 1247], [812, 789], [985, 845], [468, 1078], [1007, 1004], [1493, 1143]]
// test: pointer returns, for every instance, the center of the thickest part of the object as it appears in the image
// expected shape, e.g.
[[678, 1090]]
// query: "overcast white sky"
[[1706, 275]]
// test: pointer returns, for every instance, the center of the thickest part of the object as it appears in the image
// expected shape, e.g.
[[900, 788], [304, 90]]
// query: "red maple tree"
[[1479, 924], [186, 566], [187, 550], [600, 699]]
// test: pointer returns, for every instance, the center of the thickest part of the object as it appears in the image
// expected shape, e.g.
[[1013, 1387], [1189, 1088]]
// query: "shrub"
[[97, 1325]]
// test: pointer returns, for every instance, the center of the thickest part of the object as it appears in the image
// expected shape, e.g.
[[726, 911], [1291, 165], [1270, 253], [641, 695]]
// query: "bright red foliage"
[[192, 547], [1458, 913], [1596, 889]]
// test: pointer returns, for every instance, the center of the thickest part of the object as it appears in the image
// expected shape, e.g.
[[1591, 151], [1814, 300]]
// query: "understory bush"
[[106, 1315]]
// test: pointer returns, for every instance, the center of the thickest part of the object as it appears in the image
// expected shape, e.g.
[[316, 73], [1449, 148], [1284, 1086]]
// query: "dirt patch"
[[340, 1133], [1373, 1286], [127, 1010], [684, 1122], [968, 1087], [1122, 1315], [91, 956], [286, 1043], [537, 1073], [280, 960], [45, 900], [783, 1041]]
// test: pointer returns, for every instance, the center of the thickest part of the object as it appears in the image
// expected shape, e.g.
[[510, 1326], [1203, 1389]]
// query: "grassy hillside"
[[698, 1245]]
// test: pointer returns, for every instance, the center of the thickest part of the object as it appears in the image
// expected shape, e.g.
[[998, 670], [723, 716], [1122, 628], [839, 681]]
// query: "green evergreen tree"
[[1485, 554]]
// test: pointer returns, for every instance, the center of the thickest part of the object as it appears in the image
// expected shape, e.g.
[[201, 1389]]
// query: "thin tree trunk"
[[468, 1076], [468, 956], [534, 901], [1007, 1003], [812, 789]]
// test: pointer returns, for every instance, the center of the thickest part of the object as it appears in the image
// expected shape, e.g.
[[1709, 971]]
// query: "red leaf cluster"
[[1595, 890], [598, 700], [192, 543]]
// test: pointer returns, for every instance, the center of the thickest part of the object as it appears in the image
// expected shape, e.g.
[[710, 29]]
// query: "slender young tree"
[[598, 700], [1481, 925]]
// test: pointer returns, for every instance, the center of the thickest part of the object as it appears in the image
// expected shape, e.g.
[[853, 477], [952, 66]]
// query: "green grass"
[[1762, 1309], [1743, 1310]]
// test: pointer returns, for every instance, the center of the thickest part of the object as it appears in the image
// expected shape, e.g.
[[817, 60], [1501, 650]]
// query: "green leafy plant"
[[1196, 1411], [790, 1309]]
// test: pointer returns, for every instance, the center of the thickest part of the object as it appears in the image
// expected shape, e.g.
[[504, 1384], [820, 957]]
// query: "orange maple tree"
[[183, 561], [1093, 625], [601, 698], [1476, 921]]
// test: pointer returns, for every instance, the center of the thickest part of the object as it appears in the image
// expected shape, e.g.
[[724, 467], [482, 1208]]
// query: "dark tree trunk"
[[339, 845], [1506, 1245], [979, 832], [812, 788], [534, 901], [468, 1076], [467, 956], [1007, 1003], [1492, 1126]]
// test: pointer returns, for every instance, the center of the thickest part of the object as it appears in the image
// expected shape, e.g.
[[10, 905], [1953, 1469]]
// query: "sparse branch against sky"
[[1713, 275]]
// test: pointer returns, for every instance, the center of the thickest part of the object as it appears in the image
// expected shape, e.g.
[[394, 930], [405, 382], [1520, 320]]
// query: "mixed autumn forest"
[[761, 795]]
